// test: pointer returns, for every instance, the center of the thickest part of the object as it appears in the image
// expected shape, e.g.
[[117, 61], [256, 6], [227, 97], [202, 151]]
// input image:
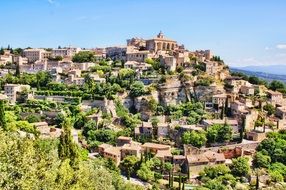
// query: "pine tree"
[[2, 113]]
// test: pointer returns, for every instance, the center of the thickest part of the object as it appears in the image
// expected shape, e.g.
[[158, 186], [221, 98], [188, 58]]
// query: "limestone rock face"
[[142, 106]]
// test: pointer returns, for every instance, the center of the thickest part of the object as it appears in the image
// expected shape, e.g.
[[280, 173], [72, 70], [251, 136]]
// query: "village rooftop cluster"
[[145, 98]]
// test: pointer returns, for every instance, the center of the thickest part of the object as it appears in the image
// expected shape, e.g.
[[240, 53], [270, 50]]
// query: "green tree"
[[84, 56], [137, 89], [43, 79], [275, 85], [276, 176], [128, 164], [261, 161], [213, 172], [278, 167], [80, 121], [169, 168], [197, 139], [153, 105], [2, 114], [145, 171], [33, 118], [126, 73], [240, 166], [154, 122], [269, 108], [2, 51], [17, 72], [60, 119], [149, 61], [219, 133], [67, 147]]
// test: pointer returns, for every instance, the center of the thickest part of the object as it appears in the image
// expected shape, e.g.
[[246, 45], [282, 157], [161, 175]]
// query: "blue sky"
[[242, 32]]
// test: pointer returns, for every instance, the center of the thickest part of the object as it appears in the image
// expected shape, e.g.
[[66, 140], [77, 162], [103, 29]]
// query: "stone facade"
[[160, 43]]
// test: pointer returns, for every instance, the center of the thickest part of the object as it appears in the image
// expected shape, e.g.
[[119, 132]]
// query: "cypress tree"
[[17, 73], [257, 182], [184, 178], [180, 181], [67, 148], [2, 113], [222, 113], [242, 129], [2, 51]]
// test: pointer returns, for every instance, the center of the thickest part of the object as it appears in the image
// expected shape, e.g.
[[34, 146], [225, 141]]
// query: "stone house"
[[121, 140], [103, 147], [163, 130], [219, 100], [255, 136], [232, 122], [11, 90], [113, 153], [164, 155], [154, 148], [144, 129], [275, 98], [131, 149], [247, 90], [281, 112], [197, 162]]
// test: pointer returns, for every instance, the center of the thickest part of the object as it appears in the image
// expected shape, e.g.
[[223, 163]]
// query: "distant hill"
[[272, 69], [263, 75]]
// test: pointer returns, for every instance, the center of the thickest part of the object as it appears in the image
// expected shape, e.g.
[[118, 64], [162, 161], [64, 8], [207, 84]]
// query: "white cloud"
[[54, 2], [281, 46], [267, 48], [51, 1]]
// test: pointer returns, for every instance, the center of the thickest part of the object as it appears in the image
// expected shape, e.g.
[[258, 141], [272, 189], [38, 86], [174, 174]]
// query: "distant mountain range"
[[267, 75], [272, 69]]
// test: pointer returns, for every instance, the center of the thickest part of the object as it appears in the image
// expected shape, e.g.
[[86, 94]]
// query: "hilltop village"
[[159, 114]]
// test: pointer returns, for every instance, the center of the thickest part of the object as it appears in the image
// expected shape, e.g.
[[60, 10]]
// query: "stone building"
[[275, 97], [281, 112], [11, 91], [160, 42], [65, 52], [202, 55], [138, 56], [116, 52], [137, 42], [35, 54]]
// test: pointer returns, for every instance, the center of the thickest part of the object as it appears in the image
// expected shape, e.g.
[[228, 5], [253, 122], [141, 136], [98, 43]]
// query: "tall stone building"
[[160, 42]]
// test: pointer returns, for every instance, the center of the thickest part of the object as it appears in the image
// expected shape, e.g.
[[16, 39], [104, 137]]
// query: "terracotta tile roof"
[[163, 153], [274, 92], [104, 145], [156, 146], [214, 156], [113, 150], [200, 158], [136, 147]]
